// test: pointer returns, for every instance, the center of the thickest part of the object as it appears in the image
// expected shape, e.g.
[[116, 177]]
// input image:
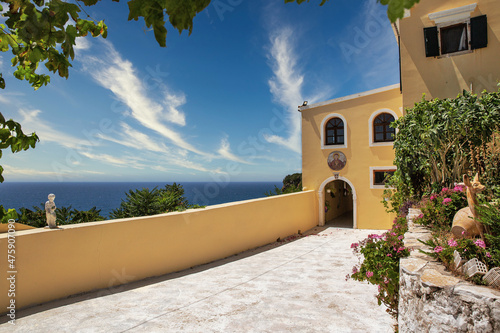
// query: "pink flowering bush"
[[380, 256], [443, 248], [438, 211], [439, 208]]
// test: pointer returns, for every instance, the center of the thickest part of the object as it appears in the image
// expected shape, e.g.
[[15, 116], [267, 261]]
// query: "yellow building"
[[346, 150], [446, 46]]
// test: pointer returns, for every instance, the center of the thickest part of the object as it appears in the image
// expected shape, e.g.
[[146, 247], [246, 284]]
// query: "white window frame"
[[374, 115], [382, 168], [451, 17], [323, 132]]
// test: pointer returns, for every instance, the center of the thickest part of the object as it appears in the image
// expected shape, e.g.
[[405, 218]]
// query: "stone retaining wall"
[[431, 299]]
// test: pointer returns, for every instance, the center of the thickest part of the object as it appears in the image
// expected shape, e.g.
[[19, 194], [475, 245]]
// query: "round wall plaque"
[[337, 160]]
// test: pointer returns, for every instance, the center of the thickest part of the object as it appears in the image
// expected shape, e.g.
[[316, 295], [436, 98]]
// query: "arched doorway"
[[337, 203]]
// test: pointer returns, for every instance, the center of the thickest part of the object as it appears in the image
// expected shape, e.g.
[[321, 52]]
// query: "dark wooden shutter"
[[479, 32], [431, 42]]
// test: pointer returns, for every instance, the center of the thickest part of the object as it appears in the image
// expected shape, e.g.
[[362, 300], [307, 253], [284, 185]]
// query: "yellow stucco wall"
[[446, 77], [360, 156], [52, 264], [4, 227]]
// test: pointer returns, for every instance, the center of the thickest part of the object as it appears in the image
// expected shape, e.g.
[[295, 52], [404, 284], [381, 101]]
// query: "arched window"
[[334, 132], [382, 131]]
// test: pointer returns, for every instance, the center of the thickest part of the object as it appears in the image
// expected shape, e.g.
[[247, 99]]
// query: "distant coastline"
[[107, 196]]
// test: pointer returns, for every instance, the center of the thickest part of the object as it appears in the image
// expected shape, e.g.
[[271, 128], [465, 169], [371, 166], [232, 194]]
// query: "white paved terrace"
[[293, 286]]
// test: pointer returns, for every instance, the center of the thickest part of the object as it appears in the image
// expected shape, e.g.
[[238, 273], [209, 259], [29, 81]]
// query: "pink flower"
[[400, 237], [433, 197], [452, 242], [446, 201], [480, 243], [354, 245], [488, 255], [369, 274], [389, 255], [458, 188], [374, 236], [438, 249], [354, 270], [444, 189], [401, 248], [421, 216]]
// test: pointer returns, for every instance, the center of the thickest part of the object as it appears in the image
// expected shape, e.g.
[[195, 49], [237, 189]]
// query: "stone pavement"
[[293, 286]]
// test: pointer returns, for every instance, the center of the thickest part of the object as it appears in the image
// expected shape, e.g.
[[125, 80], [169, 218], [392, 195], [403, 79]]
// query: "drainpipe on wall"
[[396, 29]]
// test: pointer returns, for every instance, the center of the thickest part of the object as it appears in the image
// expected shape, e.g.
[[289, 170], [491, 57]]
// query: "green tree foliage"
[[12, 136], [45, 32], [291, 183], [145, 202], [440, 140]]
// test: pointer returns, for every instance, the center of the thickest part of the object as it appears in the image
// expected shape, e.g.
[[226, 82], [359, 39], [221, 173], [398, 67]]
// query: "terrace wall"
[[431, 299], [53, 264]]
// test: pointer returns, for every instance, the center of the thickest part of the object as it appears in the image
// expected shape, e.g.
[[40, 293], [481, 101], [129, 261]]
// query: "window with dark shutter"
[[431, 42], [479, 32]]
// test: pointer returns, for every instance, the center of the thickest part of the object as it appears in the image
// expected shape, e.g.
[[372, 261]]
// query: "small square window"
[[380, 176]]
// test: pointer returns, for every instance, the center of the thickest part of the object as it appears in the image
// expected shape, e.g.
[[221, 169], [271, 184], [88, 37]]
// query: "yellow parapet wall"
[[53, 264]]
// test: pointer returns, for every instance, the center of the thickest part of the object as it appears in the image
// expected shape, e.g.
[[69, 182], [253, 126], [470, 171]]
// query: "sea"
[[107, 196]]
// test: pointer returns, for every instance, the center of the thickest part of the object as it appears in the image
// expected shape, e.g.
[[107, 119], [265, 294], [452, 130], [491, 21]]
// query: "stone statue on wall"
[[466, 222], [50, 212]]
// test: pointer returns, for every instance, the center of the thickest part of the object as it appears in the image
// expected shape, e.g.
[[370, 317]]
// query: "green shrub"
[[291, 183], [64, 215], [145, 202], [489, 215], [440, 140]]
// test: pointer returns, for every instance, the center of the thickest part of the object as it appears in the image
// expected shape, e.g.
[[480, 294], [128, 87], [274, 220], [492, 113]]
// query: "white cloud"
[[15, 171], [132, 138], [225, 152], [82, 43], [32, 122], [286, 86], [113, 72], [173, 102], [117, 161]]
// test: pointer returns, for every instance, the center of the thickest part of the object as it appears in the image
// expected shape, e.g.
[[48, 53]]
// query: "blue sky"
[[218, 105]]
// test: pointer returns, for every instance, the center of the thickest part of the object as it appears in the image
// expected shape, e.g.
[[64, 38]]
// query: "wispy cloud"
[[113, 72], [225, 152], [117, 161], [15, 171], [286, 85], [33, 122], [132, 138]]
